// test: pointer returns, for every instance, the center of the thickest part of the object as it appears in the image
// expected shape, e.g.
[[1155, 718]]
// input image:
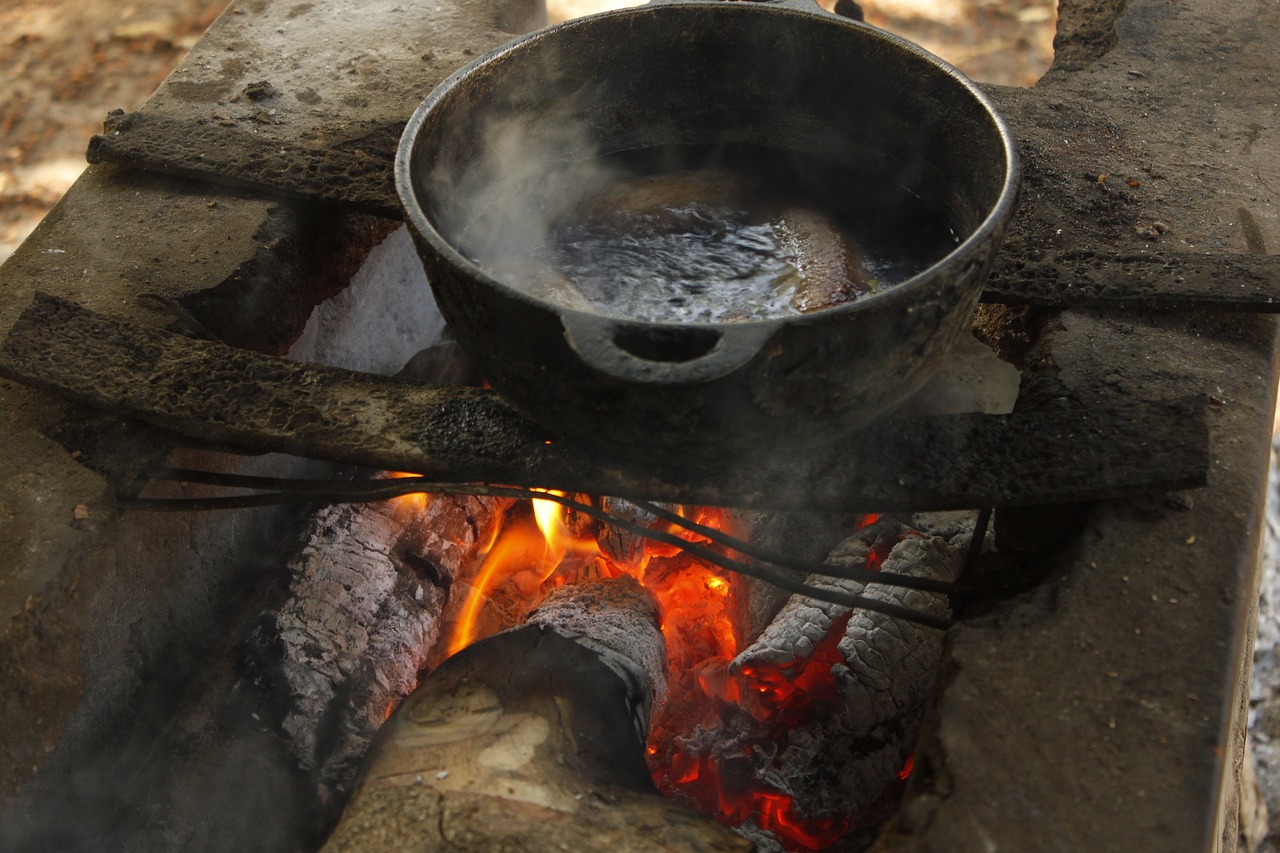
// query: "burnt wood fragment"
[[366, 592], [849, 687], [455, 436]]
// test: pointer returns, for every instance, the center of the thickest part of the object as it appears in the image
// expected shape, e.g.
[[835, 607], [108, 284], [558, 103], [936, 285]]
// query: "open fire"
[[744, 730]]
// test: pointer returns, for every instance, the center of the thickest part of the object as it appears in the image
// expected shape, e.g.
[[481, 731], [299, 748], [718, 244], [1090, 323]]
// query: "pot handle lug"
[[663, 354]]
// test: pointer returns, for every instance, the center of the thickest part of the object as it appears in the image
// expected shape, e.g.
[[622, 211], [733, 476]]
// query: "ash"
[[856, 683]]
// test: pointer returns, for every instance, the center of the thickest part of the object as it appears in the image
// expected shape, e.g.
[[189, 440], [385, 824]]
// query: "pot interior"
[[893, 145]]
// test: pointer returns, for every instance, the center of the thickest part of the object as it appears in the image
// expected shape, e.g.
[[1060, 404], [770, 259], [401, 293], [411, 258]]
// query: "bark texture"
[[367, 591], [527, 741]]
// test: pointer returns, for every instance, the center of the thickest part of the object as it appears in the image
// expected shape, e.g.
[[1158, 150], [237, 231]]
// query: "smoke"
[[168, 769], [531, 170]]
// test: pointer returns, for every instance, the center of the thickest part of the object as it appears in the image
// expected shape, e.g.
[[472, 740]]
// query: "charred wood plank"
[[532, 740], [286, 122], [1154, 281], [355, 170], [456, 436], [1037, 266], [360, 176]]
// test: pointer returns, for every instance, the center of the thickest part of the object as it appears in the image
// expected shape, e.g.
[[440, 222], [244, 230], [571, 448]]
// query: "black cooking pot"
[[510, 142]]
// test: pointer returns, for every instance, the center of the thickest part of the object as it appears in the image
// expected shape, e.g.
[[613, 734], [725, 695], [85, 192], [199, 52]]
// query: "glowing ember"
[[543, 545]]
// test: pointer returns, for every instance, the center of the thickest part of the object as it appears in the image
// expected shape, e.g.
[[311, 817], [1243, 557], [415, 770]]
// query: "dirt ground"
[[65, 63]]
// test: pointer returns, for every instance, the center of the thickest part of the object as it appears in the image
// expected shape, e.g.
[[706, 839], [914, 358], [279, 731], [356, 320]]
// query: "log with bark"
[[531, 741], [368, 585]]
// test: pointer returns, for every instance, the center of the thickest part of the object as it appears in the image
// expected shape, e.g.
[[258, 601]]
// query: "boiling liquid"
[[751, 235]]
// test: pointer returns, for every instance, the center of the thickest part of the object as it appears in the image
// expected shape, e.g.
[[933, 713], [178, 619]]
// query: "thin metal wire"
[[787, 561], [317, 489], [295, 490]]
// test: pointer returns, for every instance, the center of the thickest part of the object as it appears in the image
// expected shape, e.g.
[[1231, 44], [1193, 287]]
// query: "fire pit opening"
[[787, 718]]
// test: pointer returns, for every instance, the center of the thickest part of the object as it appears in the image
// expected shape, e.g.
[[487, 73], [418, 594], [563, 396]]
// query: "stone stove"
[[1093, 700]]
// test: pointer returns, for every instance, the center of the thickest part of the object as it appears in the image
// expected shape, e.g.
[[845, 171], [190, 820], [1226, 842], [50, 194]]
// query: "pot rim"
[[993, 223]]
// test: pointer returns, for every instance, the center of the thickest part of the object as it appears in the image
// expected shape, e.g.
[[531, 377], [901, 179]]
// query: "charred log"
[[529, 741], [465, 435], [832, 698], [890, 663], [367, 590], [801, 623]]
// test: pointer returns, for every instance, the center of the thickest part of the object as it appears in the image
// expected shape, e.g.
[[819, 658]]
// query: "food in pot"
[[715, 244]]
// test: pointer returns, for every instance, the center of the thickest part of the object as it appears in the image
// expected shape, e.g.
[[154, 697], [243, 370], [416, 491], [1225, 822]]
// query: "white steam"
[[532, 169]]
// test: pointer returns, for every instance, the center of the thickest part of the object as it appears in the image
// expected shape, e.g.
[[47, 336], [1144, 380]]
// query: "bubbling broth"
[[728, 236]]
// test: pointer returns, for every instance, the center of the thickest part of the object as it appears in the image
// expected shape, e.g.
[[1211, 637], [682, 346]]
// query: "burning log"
[[891, 662], [531, 740], [831, 700], [368, 587], [802, 623]]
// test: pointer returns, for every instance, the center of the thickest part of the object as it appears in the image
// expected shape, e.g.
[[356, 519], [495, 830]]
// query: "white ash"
[[764, 841], [618, 620], [889, 662], [955, 526], [802, 622], [363, 611], [843, 761], [798, 627]]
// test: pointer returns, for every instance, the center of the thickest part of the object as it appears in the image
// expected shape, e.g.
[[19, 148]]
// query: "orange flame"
[[541, 545], [525, 554], [412, 505]]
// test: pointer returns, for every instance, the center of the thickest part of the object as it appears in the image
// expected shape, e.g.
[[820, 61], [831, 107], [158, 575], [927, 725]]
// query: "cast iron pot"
[[511, 128]]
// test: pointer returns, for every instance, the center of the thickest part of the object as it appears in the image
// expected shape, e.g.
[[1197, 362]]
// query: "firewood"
[[865, 702], [367, 590], [388, 423], [528, 742], [802, 622], [891, 662]]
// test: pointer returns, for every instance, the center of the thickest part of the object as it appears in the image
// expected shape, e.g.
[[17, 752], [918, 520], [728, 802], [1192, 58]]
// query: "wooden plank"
[[1175, 281], [210, 391]]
